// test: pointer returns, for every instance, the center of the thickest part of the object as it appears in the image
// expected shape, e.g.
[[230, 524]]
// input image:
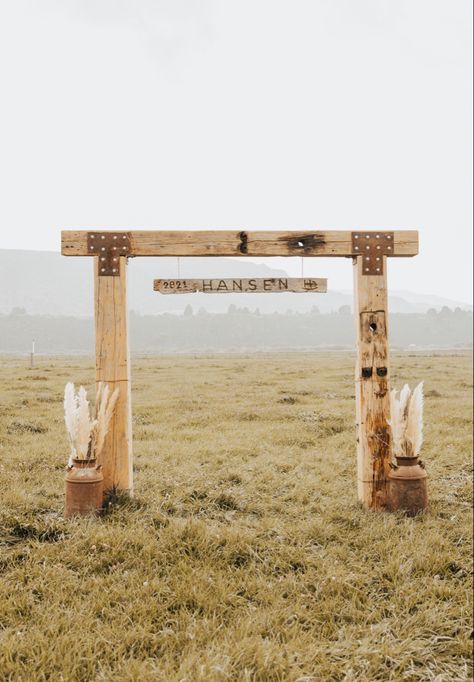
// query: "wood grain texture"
[[325, 243], [372, 383], [113, 368], [257, 285]]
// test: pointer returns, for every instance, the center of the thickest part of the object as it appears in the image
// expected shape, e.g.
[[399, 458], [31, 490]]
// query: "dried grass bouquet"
[[87, 428], [406, 411]]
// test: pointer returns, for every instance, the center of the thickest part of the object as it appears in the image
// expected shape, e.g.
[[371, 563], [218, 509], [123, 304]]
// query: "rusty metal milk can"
[[407, 489], [84, 488]]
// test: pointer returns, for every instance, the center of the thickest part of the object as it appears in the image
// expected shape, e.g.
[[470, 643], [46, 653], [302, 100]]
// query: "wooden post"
[[372, 385], [113, 368]]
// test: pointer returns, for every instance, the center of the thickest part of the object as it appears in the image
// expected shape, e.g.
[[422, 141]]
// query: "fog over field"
[[47, 283], [57, 309]]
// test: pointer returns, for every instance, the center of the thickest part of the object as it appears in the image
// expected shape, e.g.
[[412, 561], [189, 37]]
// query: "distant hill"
[[46, 283]]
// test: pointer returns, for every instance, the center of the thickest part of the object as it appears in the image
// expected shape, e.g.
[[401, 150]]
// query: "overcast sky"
[[242, 114]]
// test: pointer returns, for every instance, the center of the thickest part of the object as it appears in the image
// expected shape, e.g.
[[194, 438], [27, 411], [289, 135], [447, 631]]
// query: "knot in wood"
[[307, 243]]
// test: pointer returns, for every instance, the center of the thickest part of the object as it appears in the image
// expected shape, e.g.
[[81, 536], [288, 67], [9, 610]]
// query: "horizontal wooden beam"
[[234, 243], [257, 285]]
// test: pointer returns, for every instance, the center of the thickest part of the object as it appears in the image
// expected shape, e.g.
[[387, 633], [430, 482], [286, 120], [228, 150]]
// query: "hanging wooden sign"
[[256, 285]]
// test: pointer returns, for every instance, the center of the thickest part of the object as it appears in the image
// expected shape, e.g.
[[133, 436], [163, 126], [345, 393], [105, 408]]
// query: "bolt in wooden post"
[[372, 385], [113, 368]]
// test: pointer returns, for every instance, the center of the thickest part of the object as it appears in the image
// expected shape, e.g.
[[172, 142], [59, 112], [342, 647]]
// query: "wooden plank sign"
[[256, 285]]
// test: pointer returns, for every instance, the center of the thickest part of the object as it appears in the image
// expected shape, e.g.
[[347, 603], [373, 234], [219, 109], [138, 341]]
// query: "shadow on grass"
[[116, 500], [37, 530]]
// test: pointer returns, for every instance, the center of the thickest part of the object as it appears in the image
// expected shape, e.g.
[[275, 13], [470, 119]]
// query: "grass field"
[[244, 554]]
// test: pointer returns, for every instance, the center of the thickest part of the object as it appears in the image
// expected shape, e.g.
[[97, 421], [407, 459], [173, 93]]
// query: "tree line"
[[240, 329]]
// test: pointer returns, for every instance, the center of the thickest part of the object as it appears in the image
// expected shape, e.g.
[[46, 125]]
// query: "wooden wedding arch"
[[369, 251]]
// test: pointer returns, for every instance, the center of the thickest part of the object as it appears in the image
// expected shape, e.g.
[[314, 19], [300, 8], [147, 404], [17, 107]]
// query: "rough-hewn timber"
[[113, 368], [372, 384], [372, 371], [238, 243]]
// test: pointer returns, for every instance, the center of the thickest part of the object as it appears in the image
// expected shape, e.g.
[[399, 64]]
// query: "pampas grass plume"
[[406, 421], [105, 405], [414, 427], [70, 416], [83, 423], [87, 433]]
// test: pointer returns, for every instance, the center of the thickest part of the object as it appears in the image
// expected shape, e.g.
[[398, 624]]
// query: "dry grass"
[[244, 554]]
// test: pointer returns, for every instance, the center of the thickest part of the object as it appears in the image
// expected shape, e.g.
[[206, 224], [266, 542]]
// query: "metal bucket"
[[407, 486], [84, 488]]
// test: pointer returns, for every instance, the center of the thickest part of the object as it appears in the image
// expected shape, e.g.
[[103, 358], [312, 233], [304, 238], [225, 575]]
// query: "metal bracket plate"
[[372, 246], [109, 246]]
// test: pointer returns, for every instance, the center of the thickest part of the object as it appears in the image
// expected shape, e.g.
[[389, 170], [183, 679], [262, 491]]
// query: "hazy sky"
[[242, 114]]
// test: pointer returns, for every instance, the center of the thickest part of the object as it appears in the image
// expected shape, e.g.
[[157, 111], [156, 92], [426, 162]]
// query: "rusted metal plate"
[[372, 246], [109, 247]]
